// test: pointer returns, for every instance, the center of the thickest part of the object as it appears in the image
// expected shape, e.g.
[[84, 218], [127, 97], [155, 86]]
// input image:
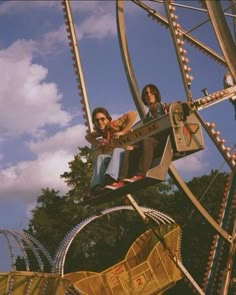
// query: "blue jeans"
[[107, 165]]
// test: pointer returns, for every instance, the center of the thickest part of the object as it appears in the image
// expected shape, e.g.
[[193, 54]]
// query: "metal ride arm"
[[213, 279], [214, 98], [229, 265], [173, 257], [229, 159], [187, 37], [223, 34], [126, 58], [137, 208], [178, 42], [77, 63]]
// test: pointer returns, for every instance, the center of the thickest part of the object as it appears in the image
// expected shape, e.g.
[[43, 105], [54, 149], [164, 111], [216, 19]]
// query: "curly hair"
[[100, 110]]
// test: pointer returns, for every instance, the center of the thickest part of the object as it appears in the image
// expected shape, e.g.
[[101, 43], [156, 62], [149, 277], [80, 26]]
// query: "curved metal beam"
[[10, 249], [223, 35], [77, 64], [60, 257], [187, 36], [126, 58]]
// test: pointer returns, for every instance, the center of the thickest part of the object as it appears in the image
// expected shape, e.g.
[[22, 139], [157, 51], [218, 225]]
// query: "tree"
[[78, 178], [106, 241], [52, 218]]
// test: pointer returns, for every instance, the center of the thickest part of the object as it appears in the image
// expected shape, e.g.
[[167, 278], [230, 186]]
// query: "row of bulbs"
[[70, 38], [180, 43], [211, 97], [221, 143]]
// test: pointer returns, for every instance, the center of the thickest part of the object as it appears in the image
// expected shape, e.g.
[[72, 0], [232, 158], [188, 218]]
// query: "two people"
[[140, 157], [107, 165], [111, 170]]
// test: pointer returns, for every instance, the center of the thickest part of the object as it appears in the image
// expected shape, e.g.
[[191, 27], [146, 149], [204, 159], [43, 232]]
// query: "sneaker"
[[134, 178], [115, 185]]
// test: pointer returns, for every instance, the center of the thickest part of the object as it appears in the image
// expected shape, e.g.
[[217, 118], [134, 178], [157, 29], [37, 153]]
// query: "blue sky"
[[41, 120]]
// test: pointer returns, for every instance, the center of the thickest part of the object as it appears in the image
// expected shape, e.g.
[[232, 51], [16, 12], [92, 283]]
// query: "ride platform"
[[109, 195], [154, 175]]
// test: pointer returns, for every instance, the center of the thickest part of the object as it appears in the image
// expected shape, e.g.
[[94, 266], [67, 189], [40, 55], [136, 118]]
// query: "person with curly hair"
[[107, 165]]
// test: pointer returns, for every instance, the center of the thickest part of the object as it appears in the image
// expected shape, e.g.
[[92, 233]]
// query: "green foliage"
[[105, 241], [78, 178], [197, 234], [52, 218]]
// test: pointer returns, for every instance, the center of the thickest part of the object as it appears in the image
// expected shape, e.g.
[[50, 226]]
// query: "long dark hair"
[[154, 90]]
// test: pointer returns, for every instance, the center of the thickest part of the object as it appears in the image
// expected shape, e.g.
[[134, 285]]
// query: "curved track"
[[23, 241], [221, 254], [157, 216]]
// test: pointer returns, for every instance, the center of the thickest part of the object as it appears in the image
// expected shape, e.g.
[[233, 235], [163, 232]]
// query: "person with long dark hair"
[[138, 160]]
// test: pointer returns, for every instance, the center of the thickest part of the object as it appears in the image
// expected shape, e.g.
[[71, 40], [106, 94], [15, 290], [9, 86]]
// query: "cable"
[[206, 190]]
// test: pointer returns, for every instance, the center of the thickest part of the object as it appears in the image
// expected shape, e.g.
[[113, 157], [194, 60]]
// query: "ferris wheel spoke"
[[223, 34]]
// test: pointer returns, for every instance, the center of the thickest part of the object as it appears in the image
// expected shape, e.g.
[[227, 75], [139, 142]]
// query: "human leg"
[[144, 157], [148, 147], [113, 167], [100, 166], [124, 166], [129, 164]]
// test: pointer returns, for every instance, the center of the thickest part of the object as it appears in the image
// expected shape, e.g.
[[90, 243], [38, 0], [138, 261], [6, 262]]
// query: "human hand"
[[118, 134], [102, 143], [129, 148]]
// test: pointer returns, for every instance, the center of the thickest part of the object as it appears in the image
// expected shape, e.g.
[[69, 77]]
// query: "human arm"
[[125, 123], [94, 138]]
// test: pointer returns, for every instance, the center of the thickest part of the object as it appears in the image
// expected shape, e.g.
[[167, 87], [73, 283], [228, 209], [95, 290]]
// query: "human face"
[[150, 98], [100, 120]]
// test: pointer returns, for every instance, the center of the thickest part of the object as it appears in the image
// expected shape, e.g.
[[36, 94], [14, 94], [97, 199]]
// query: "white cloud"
[[52, 39], [193, 164], [30, 176], [68, 139], [28, 103], [98, 27], [53, 154], [96, 20]]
